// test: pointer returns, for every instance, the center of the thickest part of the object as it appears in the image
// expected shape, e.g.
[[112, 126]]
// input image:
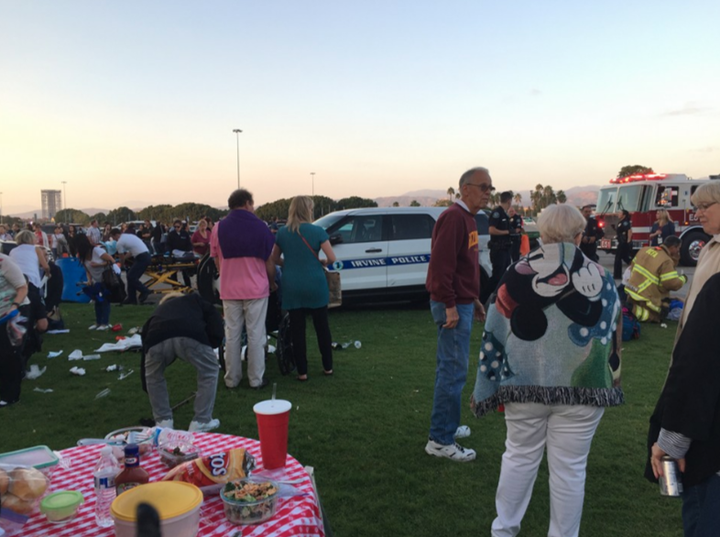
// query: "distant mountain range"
[[577, 195]]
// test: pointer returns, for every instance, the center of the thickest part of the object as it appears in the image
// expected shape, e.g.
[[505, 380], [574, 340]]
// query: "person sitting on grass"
[[186, 327]]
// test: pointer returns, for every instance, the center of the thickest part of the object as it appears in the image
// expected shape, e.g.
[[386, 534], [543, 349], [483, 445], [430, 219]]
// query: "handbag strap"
[[310, 248]]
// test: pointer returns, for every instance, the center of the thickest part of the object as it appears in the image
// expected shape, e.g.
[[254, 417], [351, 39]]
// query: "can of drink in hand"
[[670, 482]]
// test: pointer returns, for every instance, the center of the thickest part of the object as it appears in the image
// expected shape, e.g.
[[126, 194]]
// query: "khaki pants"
[[251, 315]]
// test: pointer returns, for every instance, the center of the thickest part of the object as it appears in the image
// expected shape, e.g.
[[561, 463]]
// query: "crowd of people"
[[551, 349], [551, 346]]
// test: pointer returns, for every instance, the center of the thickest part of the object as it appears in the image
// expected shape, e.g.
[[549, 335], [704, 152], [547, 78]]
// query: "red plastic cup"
[[273, 417]]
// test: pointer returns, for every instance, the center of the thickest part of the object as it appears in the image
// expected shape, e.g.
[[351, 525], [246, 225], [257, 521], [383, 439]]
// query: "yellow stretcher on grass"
[[163, 274]]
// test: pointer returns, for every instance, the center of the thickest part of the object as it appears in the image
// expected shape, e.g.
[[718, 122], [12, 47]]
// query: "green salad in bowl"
[[249, 500]]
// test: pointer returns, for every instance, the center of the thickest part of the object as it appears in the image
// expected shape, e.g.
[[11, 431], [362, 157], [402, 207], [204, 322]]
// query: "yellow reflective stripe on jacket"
[[649, 275], [644, 285], [669, 276]]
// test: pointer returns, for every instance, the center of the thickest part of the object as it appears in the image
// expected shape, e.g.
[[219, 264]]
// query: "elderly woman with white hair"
[[550, 355], [686, 422]]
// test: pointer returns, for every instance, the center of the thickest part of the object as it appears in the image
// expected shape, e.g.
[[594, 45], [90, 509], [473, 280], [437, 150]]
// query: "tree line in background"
[[539, 198]]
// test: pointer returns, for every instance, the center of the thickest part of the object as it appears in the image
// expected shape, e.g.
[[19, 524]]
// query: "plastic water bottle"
[[171, 438], [104, 475]]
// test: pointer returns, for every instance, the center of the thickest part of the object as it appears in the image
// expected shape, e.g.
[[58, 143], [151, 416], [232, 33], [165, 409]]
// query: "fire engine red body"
[[642, 196]]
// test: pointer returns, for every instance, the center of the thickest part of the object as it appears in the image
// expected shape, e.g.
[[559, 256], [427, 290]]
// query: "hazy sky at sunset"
[[134, 102]]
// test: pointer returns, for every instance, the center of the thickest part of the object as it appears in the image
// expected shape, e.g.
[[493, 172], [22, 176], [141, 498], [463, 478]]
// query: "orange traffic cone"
[[524, 245]]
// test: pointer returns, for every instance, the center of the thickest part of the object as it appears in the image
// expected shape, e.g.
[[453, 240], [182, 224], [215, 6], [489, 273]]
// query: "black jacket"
[[690, 401], [185, 316]]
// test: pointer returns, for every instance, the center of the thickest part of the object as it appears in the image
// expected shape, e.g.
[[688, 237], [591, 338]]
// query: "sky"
[[134, 103]]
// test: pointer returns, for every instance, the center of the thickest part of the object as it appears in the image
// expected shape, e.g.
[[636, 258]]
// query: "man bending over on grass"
[[186, 327], [453, 281]]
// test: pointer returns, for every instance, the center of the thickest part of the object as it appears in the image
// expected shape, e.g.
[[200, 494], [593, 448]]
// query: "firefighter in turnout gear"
[[653, 277]]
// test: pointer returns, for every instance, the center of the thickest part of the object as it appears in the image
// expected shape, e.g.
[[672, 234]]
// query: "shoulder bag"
[[332, 277]]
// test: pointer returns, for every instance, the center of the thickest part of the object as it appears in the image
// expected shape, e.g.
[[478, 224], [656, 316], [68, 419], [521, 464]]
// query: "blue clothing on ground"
[[453, 351], [303, 279]]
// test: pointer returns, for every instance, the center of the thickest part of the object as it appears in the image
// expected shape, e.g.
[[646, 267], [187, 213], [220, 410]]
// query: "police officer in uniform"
[[500, 242], [623, 231], [592, 234], [516, 230]]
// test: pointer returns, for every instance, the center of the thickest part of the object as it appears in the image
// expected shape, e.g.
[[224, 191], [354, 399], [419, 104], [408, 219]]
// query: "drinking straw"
[[274, 390]]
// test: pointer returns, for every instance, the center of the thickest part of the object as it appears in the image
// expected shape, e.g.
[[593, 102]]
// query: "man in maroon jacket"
[[453, 281]]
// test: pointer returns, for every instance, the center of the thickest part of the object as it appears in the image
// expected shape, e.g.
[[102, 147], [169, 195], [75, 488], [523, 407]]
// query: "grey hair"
[[472, 171], [707, 193], [25, 237], [560, 223]]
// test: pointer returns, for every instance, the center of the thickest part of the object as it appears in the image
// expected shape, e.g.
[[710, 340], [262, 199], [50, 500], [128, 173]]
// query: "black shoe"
[[143, 297], [260, 386]]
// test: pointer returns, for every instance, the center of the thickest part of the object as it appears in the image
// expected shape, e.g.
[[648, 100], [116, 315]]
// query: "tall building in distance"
[[51, 203]]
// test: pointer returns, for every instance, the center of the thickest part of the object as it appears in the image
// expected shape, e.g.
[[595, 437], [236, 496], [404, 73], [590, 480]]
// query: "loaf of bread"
[[27, 483], [15, 504]]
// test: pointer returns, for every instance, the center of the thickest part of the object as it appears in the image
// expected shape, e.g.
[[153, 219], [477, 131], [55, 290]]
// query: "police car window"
[[359, 229], [411, 226], [481, 220], [667, 196]]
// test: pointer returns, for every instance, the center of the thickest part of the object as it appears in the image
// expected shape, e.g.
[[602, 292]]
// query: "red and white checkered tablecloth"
[[295, 516]]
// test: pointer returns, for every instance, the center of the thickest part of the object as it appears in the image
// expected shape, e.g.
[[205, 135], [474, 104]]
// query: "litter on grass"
[[54, 354], [75, 355], [34, 372], [111, 368], [126, 375], [47, 390], [65, 331], [79, 371], [103, 393], [91, 357], [134, 342]]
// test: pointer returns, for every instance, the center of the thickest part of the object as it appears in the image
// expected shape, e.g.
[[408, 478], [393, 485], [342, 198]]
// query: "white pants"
[[251, 314], [567, 431]]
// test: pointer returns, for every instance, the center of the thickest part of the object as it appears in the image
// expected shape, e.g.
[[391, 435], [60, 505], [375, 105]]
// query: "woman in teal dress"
[[304, 286]]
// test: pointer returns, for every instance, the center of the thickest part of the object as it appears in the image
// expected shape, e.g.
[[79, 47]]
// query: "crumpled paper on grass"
[[134, 342]]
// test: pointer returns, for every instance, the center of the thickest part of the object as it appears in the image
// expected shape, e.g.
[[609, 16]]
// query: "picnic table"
[[295, 516]]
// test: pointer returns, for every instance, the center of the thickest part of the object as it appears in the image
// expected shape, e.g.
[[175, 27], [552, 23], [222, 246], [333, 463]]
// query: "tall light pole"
[[237, 139], [313, 183], [64, 196]]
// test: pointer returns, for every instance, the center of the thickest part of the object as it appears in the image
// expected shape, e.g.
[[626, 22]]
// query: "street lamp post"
[[64, 196], [313, 183], [237, 139]]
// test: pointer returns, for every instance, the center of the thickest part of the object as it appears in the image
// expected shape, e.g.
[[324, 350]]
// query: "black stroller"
[[277, 321]]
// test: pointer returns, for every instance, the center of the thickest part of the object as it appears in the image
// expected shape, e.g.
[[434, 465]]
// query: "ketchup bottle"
[[133, 474]]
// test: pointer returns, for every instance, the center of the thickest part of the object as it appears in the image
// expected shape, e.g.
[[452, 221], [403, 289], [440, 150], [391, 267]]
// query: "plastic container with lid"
[[177, 503], [61, 507], [39, 457]]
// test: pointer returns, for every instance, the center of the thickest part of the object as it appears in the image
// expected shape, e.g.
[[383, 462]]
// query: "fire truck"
[[642, 195]]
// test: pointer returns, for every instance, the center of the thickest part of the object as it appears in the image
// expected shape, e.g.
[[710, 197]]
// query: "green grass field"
[[364, 429]]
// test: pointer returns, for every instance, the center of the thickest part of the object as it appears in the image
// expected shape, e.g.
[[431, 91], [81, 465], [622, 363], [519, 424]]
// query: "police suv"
[[383, 253]]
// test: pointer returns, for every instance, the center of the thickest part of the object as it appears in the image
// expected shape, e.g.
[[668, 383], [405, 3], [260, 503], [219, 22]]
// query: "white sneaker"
[[454, 452], [92, 327], [165, 424], [103, 328], [197, 427], [462, 432]]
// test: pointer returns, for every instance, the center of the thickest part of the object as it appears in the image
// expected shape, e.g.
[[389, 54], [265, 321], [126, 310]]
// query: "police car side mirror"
[[336, 239]]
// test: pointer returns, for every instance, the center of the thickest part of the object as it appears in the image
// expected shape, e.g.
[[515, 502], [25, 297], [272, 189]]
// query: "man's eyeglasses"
[[704, 206], [176, 227], [483, 187]]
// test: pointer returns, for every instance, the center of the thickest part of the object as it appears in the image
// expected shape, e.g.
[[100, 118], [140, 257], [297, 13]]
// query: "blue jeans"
[[701, 516], [134, 285], [453, 350], [102, 312]]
